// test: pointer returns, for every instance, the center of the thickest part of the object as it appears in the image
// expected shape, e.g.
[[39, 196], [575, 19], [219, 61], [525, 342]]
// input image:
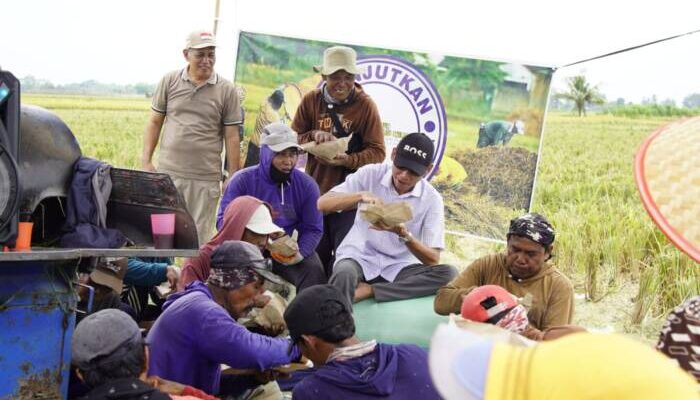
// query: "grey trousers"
[[415, 280]]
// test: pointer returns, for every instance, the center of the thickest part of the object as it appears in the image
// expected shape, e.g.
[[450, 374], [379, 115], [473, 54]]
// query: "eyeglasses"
[[200, 55], [404, 169]]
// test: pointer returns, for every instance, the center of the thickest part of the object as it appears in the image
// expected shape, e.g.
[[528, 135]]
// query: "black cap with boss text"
[[415, 152]]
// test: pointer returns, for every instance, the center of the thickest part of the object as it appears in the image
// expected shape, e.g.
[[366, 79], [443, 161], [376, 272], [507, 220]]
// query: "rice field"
[[627, 273]]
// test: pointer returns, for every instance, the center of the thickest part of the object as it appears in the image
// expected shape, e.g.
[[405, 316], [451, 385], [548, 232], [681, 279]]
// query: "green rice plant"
[[108, 129], [644, 300], [585, 186], [651, 110]]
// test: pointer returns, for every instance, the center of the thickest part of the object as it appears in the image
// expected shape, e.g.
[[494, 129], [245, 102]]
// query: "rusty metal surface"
[[47, 151], [138, 194], [43, 385], [37, 304], [49, 254], [144, 188]]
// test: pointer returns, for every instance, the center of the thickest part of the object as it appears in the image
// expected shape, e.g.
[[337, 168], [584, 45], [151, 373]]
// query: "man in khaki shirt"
[[523, 271], [195, 112]]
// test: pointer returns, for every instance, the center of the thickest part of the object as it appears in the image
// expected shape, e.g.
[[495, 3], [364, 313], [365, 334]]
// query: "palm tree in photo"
[[581, 93]]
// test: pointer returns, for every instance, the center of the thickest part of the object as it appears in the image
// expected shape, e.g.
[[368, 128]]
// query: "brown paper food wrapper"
[[273, 312], [391, 214], [327, 150], [493, 332], [285, 245]]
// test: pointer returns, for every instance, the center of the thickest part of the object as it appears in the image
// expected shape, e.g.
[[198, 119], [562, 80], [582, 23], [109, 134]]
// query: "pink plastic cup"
[[163, 229]]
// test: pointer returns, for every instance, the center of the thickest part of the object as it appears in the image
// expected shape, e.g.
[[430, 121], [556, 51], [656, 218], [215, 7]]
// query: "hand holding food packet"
[[327, 150], [387, 214], [284, 250]]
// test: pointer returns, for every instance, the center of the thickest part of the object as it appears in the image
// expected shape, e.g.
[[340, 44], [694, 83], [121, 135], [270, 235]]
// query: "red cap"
[[485, 302]]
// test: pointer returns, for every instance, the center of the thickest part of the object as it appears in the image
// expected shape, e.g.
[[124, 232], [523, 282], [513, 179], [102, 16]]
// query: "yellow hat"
[[581, 366], [586, 366]]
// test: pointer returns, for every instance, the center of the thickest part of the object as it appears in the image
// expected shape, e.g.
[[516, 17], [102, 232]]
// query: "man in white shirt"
[[399, 262]]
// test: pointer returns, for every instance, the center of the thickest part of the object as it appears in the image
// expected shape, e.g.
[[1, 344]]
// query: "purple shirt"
[[293, 203], [194, 336], [388, 372]]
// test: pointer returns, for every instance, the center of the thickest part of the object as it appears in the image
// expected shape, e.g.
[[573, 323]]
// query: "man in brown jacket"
[[522, 270], [337, 109]]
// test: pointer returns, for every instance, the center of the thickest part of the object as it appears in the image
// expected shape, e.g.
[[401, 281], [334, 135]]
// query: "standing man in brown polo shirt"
[[340, 107], [198, 113]]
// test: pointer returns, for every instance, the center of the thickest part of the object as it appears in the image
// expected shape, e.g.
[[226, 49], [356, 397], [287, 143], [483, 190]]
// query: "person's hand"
[[399, 229], [164, 385], [323, 136], [172, 275], [291, 260], [148, 166], [261, 300], [276, 235], [340, 160], [368, 198], [275, 330]]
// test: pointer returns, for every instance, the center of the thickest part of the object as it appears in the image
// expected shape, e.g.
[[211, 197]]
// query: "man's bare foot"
[[363, 291]]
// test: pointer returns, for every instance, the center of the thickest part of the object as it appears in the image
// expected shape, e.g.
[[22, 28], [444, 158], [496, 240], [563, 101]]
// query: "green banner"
[[485, 117]]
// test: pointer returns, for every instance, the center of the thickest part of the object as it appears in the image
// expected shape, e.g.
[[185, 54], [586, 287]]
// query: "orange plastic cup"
[[24, 236]]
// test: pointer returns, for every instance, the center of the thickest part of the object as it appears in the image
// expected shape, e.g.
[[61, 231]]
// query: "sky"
[[131, 41]]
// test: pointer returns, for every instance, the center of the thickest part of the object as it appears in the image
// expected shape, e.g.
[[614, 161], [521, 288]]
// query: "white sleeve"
[[355, 182], [432, 232]]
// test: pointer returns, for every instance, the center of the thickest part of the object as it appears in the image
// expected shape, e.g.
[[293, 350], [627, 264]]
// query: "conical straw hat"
[[667, 171]]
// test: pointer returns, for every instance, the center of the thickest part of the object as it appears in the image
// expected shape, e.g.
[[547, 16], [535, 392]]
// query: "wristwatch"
[[406, 238]]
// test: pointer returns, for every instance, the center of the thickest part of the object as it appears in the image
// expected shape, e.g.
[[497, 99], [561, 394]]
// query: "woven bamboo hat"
[[667, 171]]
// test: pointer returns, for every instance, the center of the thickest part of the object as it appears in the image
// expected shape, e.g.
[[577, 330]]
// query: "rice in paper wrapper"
[[285, 246], [327, 150], [273, 312], [390, 214]]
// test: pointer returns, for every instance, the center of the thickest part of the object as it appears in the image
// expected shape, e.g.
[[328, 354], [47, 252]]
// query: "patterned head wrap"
[[235, 264], [532, 226], [232, 278]]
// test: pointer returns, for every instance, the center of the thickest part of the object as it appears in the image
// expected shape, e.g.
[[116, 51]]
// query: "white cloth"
[[381, 253]]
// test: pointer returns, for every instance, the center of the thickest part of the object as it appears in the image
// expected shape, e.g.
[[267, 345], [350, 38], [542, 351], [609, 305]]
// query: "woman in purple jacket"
[[292, 195]]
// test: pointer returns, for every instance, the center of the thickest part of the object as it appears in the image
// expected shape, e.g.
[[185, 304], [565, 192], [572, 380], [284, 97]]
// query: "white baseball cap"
[[261, 222], [278, 137], [200, 39]]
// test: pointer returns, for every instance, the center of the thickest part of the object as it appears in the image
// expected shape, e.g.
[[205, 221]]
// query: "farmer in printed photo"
[[524, 271], [340, 107], [267, 114], [498, 132], [196, 113], [392, 262]]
